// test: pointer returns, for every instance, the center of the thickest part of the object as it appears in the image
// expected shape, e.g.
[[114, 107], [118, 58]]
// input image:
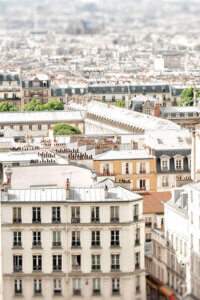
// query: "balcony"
[[115, 268], [95, 220], [57, 292], [137, 289], [56, 220], [136, 218], [75, 220], [76, 292], [115, 291], [37, 268], [17, 269], [137, 242], [115, 244], [76, 267], [36, 220], [57, 244], [114, 220], [16, 221], [76, 244], [95, 244], [137, 266], [17, 244], [96, 268], [57, 268], [96, 292], [37, 292], [148, 224], [37, 244]]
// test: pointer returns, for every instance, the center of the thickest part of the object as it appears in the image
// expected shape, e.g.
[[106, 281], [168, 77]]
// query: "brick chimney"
[[67, 188], [157, 110]]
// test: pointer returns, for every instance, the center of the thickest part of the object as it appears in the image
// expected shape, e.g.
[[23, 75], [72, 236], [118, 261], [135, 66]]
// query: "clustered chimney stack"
[[67, 188], [106, 192]]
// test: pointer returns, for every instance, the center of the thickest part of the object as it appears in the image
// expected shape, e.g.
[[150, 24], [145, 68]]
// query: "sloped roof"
[[151, 202]]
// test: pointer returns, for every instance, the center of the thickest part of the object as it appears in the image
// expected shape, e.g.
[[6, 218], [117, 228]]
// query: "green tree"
[[36, 105], [5, 106], [33, 105], [187, 96], [120, 103], [54, 105], [65, 129]]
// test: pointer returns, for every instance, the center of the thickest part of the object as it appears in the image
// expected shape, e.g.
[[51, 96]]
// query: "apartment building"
[[10, 88], [137, 167], [70, 243], [38, 87]]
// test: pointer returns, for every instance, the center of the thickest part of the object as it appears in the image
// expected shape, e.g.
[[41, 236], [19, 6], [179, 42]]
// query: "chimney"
[[105, 192], [67, 188], [157, 110]]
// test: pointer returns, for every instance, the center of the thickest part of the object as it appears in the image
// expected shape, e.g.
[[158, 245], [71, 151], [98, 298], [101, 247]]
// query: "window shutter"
[[138, 167], [101, 168], [111, 168], [147, 185], [138, 184], [123, 168], [130, 168], [147, 167]]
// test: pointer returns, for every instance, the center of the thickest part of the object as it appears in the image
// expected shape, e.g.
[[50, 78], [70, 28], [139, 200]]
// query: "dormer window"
[[178, 162], [165, 163]]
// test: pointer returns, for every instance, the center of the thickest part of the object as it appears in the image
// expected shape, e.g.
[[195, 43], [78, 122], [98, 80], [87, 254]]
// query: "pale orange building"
[[136, 167]]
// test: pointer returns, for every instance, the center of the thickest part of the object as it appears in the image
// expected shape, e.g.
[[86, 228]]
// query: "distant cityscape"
[[99, 149]]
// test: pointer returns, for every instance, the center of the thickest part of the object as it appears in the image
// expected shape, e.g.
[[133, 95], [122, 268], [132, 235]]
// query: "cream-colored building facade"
[[73, 243]]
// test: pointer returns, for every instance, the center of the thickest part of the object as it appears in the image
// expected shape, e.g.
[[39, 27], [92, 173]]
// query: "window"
[[56, 239], [178, 164], [37, 262], [142, 183], [17, 239], [39, 127], [96, 265], [137, 260], [136, 212], [36, 215], [142, 167], [137, 236], [148, 222], [148, 237], [95, 214], [17, 263], [18, 286], [192, 241], [76, 286], [57, 288], [30, 127], [21, 128], [127, 168], [76, 262], [164, 164], [37, 286], [37, 239], [17, 215], [75, 214], [165, 181], [57, 262], [115, 238], [114, 214], [76, 240], [137, 284], [115, 264], [96, 286], [147, 111], [95, 239], [56, 218], [115, 286]]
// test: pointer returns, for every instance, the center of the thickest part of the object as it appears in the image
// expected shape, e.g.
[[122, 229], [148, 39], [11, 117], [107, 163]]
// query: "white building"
[[72, 242]]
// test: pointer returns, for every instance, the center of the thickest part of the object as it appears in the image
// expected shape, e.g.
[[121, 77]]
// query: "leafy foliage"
[[5, 106], [65, 129], [35, 105], [120, 103], [187, 96]]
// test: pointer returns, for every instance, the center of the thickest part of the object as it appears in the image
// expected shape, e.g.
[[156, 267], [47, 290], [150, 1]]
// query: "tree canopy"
[[187, 96], [5, 106], [65, 129], [120, 103], [36, 105]]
